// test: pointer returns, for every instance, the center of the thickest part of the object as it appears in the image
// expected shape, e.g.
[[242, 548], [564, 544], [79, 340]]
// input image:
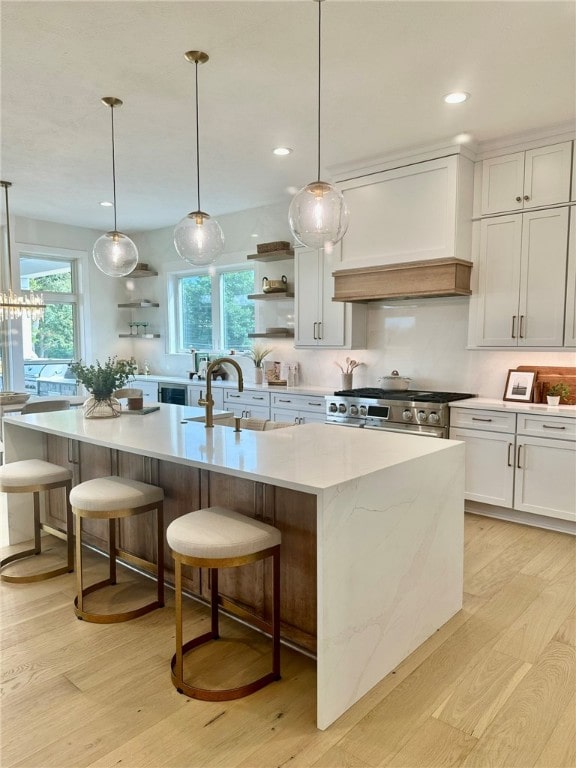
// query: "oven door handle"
[[424, 433]]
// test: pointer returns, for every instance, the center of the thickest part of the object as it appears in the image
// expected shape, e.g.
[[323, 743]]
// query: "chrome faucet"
[[207, 401]]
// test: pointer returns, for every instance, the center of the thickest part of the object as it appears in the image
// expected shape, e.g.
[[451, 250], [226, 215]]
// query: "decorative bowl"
[[13, 398]]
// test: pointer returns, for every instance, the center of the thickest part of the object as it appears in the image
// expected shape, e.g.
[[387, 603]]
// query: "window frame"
[[175, 340]]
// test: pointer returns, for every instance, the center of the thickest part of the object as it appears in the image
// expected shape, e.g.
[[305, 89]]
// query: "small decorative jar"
[[346, 381], [258, 375]]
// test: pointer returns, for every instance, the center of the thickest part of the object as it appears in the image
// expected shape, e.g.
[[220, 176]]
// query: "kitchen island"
[[372, 523]]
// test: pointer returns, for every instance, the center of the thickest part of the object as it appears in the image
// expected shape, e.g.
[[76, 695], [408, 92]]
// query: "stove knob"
[[332, 407], [422, 415], [342, 408], [363, 410], [433, 418], [353, 410], [407, 415]]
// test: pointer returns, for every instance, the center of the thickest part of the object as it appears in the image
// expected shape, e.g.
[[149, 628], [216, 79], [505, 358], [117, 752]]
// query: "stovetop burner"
[[412, 395]]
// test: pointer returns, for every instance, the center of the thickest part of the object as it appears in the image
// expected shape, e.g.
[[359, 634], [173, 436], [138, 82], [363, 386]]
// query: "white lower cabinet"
[[247, 404], [518, 461], [149, 390], [300, 409]]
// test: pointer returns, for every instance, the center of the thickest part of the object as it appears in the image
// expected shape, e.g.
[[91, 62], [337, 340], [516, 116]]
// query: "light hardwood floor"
[[495, 687]]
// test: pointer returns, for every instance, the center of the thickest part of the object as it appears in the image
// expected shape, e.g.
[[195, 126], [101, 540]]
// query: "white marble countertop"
[[309, 457], [493, 404], [232, 382]]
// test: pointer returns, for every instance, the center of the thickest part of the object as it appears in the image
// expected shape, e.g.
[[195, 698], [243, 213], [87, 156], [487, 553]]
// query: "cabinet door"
[[288, 415], [149, 390], [331, 330], [545, 477], [307, 417], [307, 304], [547, 175], [499, 281], [489, 466], [503, 183], [543, 278], [570, 320]]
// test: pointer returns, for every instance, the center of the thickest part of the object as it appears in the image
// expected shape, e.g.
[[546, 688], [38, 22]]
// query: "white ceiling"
[[386, 66]]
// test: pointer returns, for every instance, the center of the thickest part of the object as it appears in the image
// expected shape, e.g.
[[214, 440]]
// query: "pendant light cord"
[[197, 143], [7, 184], [113, 167], [319, 75]]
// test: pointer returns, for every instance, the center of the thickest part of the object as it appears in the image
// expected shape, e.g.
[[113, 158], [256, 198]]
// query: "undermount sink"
[[255, 425]]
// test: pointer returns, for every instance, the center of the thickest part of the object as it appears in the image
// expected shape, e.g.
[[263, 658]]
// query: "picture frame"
[[519, 386]]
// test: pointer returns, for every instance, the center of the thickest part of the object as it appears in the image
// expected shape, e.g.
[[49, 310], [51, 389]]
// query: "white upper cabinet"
[[521, 280], [419, 211], [570, 322], [528, 179], [321, 322]]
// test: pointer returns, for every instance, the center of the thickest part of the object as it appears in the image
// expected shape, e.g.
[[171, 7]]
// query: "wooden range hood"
[[411, 279]]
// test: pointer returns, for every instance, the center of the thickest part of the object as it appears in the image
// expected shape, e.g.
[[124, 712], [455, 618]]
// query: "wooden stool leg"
[[160, 551], [214, 602], [37, 539]]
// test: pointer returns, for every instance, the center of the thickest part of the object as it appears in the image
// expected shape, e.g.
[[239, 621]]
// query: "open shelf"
[[271, 295], [272, 256], [143, 273], [139, 304], [139, 336]]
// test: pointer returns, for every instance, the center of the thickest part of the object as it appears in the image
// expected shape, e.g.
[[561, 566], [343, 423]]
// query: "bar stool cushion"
[[216, 532], [106, 494], [18, 474]]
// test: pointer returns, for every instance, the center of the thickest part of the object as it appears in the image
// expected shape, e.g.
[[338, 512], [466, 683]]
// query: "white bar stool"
[[221, 538], [113, 498], [36, 476]]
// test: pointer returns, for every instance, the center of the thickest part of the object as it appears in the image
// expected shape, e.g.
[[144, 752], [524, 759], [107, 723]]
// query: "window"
[[48, 344], [212, 309]]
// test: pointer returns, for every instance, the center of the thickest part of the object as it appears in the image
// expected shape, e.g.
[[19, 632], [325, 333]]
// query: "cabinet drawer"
[[547, 426], [248, 397], [476, 418], [299, 402]]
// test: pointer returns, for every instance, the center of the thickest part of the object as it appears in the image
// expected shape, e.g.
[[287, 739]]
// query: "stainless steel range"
[[408, 411]]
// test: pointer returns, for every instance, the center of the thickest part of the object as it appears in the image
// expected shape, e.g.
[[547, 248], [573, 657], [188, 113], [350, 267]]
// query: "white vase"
[[552, 400], [346, 381], [258, 375], [101, 409]]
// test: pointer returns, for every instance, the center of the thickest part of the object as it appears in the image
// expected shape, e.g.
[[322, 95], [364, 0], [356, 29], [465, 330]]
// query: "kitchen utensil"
[[13, 398], [275, 286], [394, 381]]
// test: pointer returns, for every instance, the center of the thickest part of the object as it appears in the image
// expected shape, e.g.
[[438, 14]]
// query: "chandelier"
[[14, 306]]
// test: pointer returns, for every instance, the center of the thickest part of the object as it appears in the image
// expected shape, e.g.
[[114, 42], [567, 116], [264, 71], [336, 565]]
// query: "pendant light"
[[197, 237], [14, 306], [318, 215], [114, 253]]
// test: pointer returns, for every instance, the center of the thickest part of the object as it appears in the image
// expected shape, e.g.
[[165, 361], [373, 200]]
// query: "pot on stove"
[[394, 381]]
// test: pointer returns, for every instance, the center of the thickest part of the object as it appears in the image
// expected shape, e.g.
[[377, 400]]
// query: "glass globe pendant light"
[[114, 253], [197, 237], [318, 215]]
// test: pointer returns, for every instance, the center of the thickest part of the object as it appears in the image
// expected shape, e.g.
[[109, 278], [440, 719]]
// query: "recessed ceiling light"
[[463, 138], [456, 98], [291, 190], [254, 234], [106, 204], [282, 151]]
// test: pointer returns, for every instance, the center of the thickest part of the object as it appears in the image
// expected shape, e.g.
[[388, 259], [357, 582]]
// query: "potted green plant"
[[101, 380], [257, 355], [556, 392]]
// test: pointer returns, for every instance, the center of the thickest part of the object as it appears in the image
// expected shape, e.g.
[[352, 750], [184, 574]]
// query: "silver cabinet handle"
[[521, 332], [315, 336], [510, 446], [231, 395], [320, 330], [317, 405], [513, 326], [551, 426], [477, 418], [518, 465], [257, 397], [280, 400]]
